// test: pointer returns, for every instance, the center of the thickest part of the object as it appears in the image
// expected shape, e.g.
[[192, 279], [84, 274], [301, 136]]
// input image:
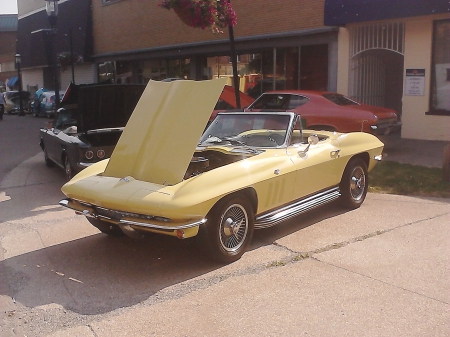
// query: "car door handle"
[[335, 153]]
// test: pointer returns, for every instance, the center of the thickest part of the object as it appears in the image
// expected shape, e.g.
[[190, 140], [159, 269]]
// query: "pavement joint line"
[[310, 254], [381, 281], [92, 330]]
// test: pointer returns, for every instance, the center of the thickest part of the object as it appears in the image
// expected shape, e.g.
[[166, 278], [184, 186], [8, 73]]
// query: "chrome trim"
[[262, 221], [382, 128], [300, 206], [84, 165], [171, 228], [378, 158], [87, 213], [65, 203]]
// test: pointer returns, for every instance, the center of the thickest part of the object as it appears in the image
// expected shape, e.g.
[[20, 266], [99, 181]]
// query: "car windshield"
[[252, 130], [279, 101], [10, 94], [66, 118]]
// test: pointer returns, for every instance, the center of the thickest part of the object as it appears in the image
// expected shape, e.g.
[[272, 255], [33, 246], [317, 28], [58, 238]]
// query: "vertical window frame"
[[433, 84]]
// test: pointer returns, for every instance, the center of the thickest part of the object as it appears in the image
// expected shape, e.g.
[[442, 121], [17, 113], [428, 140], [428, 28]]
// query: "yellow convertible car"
[[248, 170]]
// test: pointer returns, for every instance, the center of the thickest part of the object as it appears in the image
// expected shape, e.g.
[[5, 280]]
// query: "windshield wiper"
[[231, 140], [234, 141]]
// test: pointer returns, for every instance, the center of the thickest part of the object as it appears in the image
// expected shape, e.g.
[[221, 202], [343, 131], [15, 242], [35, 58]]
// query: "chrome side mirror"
[[312, 140]]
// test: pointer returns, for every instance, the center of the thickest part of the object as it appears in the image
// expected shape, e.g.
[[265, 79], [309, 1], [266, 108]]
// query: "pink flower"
[[213, 14]]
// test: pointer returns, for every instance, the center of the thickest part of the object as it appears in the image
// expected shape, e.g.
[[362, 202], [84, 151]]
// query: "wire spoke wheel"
[[68, 168], [354, 183], [228, 230], [233, 227], [357, 183]]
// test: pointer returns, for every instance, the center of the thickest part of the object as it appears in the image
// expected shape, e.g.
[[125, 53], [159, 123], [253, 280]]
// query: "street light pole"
[[19, 76], [51, 7], [234, 65]]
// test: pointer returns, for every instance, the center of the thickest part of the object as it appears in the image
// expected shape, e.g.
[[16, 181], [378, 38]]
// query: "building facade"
[[397, 54], [279, 45], [71, 45], [8, 36], [380, 52]]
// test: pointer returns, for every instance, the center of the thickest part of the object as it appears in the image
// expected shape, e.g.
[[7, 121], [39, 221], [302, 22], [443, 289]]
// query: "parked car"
[[88, 125], [91, 121], [263, 85], [46, 106], [330, 111], [34, 106], [227, 101], [12, 101], [249, 170]]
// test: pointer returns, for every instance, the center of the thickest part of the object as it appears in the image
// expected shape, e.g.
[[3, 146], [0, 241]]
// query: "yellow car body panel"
[[193, 198], [164, 110]]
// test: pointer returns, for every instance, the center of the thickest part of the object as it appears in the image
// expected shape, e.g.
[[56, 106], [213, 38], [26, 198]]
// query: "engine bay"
[[208, 160]]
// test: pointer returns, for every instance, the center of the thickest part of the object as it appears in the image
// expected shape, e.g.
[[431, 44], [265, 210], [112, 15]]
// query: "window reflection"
[[298, 67], [440, 75]]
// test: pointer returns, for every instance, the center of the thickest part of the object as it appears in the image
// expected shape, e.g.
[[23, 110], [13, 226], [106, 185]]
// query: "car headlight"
[[89, 154], [101, 154]]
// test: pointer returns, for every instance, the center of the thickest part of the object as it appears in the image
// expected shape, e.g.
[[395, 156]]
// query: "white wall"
[[418, 54], [32, 77], [418, 47], [84, 74]]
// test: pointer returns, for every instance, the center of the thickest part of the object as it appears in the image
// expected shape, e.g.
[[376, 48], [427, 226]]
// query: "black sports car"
[[88, 125]]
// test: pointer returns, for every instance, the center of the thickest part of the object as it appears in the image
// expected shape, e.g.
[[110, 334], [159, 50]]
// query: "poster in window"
[[415, 82]]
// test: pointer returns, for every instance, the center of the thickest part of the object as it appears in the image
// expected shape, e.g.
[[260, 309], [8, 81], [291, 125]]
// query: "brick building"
[[8, 35], [360, 48], [280, 45]]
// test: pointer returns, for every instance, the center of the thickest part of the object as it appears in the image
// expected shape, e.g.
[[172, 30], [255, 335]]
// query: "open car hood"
[[102, 106], [161, 135]]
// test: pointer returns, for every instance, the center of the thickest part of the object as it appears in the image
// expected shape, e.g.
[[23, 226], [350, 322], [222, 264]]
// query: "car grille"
[[118, 215], [386, 121]]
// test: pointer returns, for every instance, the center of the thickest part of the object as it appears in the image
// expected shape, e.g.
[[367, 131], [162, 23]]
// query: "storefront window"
[[153, 70], [271, 69], [440, 73], [179, 68], [106, 72], [276, 69]]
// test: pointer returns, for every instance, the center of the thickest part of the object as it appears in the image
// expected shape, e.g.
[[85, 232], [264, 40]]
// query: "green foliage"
[[406, 179]]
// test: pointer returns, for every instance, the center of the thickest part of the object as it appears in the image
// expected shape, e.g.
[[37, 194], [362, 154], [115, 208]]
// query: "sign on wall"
[[415, 82]]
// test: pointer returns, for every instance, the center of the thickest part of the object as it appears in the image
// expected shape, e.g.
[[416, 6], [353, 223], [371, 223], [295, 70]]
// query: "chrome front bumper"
[[90, 211], [385, 129]]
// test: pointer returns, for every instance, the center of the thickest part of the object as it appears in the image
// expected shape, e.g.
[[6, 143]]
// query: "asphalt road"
[[19, 140], [381, 270]]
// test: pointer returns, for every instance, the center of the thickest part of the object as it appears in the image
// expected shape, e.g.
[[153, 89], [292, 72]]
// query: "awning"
[[12, 81], [341, 12]]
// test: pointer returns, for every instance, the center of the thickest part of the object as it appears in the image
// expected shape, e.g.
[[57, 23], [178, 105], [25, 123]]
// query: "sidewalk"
[[429, 153]]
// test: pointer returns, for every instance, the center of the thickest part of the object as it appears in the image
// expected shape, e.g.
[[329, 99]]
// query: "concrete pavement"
[[381, 270], [364, 277], [428, 153]]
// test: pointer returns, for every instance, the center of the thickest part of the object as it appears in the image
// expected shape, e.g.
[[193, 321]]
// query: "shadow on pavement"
[[99, 274]]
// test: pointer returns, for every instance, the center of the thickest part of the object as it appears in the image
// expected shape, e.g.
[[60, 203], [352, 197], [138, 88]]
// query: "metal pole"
[[234, 64], [20, 89], [71, 55], [55, 70]]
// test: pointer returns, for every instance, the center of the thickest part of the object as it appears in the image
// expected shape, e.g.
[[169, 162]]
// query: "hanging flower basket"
[[212, 14]]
